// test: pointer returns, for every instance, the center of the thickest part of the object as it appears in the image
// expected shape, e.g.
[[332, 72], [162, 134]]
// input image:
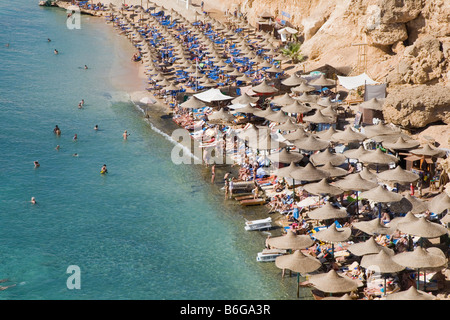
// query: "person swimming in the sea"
[[57, 130], [104, 170], [33, 200], [36, 164]]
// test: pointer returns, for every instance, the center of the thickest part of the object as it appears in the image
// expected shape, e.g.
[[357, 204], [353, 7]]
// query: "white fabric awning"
[[212, 95], [354, 82], [287, 30]]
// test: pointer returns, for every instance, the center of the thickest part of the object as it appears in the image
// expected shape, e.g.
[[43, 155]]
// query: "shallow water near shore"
[[149, 229]]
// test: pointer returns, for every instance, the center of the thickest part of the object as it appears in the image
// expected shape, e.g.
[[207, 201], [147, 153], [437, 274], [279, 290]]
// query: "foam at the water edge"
[[185, 149], [118, 96]]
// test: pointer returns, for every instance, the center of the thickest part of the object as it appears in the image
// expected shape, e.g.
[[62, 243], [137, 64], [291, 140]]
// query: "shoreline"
[[158, 117], [161, 110]]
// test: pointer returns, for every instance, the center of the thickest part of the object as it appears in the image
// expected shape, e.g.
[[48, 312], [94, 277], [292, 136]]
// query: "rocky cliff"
[[408, 46]]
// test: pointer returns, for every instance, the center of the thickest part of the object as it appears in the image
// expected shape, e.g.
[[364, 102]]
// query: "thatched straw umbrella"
[[382, 263], [334, 235], [411, 294], [296, 107], [401, 144], [285, 156], [311, 143], [333, 170], [381, 195], [398, 176], [309, 173], [373, 227], [283, 100], [328, 211], [291, 241], [354, 182], [348, 136], [298, 134], [293, 80], [369, 246], [331, 282], [288, 125], [325, 156], [297, 262], [439, 203], [378, 157], [263, 87], [421, 258]]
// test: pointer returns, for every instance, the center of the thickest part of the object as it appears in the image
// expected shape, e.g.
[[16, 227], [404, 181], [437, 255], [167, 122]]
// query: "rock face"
[[330, 28], [408, 47], [417, 106], [421, 62]]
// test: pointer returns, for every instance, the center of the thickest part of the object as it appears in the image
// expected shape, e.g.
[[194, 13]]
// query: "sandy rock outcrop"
[[417, 106], [422, 62]]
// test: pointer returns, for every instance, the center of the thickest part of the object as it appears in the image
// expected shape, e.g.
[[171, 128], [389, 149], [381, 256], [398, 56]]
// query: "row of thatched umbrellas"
[[324, 113], [421, 227], [213, 49], [328, 161], [298, 262], [375, 257]]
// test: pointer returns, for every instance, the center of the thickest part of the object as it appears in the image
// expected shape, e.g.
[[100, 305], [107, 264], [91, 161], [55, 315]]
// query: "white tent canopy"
[[354, 82], [287, 30], [212, 95]]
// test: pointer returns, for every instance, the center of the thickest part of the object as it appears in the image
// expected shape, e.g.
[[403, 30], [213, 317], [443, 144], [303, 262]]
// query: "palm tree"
[[293, 51]]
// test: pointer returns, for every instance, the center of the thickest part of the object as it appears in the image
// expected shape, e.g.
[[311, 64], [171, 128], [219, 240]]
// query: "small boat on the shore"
[[252, 202], [258, 224], [269, 255]]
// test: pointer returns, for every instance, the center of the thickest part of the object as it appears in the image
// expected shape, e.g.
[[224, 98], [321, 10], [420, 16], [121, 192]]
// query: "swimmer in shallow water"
[[33, 200], [75, 155], [36, 164], [125, 135], [57, 130], [56, 51], [96, 127], [104, 170], [75, 137], [57, 147]]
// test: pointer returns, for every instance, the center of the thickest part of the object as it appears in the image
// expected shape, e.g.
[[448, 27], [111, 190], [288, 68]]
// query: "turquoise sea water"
[[149, 229]]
